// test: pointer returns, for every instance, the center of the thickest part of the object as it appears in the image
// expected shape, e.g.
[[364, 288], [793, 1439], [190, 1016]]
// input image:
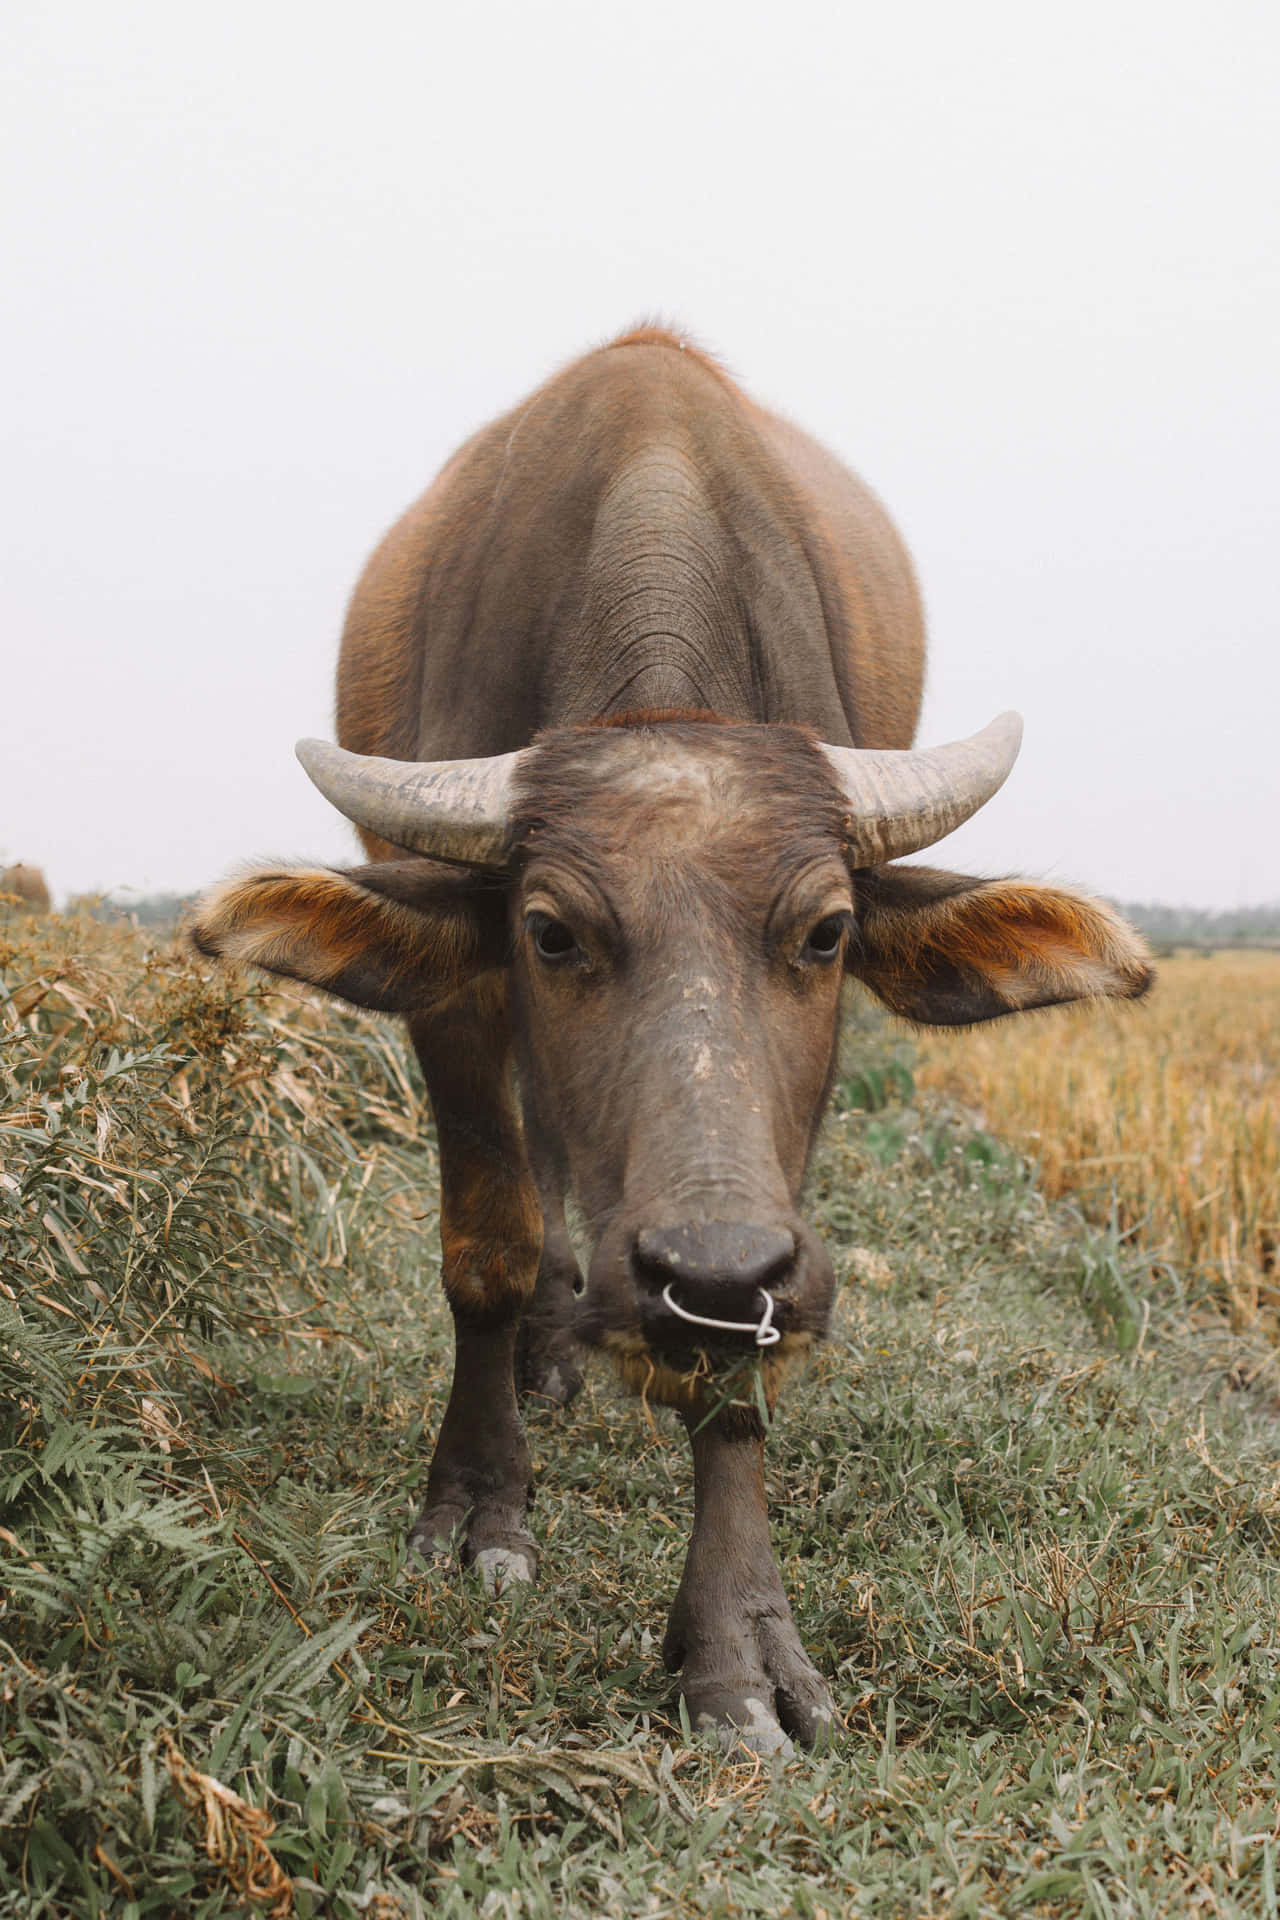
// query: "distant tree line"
[[1204, 926], [139, 910]]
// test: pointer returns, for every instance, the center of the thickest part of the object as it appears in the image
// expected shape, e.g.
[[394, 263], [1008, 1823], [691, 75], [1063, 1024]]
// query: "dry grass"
[[1165, 1114]]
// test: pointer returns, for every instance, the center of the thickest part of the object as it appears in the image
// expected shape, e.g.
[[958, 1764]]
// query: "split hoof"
[[548, 1368], [438, 1534], [489, 1539], [758, 1690]]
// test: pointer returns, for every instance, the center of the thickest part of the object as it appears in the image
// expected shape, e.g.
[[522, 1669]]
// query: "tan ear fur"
[[947, 950], [324, 928]]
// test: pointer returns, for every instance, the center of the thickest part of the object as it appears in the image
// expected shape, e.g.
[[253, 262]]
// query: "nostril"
[[724, 1278], [766, 1334], [715, 1260]]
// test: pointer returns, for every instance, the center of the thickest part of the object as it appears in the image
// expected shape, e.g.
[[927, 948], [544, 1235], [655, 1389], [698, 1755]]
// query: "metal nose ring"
[[765, 1332]]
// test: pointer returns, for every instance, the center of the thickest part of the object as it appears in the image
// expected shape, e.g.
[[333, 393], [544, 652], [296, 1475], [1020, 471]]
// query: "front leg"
[[548, 1356], [480, 1484], [731, 1635]]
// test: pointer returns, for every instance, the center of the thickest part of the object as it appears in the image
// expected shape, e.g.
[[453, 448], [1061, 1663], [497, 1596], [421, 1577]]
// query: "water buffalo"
[[27, 885], [625, 705]]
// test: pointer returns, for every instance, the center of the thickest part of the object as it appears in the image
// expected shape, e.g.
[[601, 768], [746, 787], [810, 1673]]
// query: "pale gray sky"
[[265, 265]]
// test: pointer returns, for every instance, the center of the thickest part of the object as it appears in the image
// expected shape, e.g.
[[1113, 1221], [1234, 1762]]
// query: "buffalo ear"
[[948, 950], [397, 938]]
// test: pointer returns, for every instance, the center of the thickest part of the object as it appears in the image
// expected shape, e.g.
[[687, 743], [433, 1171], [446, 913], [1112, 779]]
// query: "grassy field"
[[1167, 1121], [1027, 1504]]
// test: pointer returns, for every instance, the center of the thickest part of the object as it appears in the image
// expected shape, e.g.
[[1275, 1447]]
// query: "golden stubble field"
[[1164, 1114]]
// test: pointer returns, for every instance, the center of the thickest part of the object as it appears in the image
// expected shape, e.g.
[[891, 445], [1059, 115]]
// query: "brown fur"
[[696, 1390], [491, 1223], [488, 612], [343, 933], [656, 333], [26, 885], [664, 717], [946, 949], [777, 802]]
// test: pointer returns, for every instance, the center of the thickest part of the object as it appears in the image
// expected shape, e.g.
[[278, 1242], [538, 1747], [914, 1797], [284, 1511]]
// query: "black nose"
[[714, 1269]]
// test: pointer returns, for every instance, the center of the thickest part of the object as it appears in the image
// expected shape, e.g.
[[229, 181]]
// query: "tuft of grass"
[[1026, 1503]]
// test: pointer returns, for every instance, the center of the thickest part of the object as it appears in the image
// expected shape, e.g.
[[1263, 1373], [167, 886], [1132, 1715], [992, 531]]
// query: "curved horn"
[[902, 801], [451, 809]]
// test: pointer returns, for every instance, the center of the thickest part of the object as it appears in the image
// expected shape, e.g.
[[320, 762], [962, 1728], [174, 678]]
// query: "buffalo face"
[[680, 922]]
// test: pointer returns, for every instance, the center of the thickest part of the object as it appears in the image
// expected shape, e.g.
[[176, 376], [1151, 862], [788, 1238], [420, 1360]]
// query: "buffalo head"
[[675, 902]]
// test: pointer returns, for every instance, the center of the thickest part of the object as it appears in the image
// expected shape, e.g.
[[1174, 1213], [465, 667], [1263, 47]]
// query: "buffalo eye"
[[553, 941], [825, 938]]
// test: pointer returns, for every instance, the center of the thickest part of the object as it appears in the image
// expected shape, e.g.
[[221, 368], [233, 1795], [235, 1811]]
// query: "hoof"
[[439, 1533], [748, 1724], [547, 1366], [764, 1724], [503, 1567], [489, 1538], [758, 1690]]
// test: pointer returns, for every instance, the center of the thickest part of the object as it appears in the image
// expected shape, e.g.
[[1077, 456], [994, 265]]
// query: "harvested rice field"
[[1164, 1118]]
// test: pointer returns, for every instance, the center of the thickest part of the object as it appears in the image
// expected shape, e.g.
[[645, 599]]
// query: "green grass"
[[1026, 1502]]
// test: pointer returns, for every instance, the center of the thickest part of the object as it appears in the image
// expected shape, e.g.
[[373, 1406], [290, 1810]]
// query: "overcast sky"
[[264, 266]]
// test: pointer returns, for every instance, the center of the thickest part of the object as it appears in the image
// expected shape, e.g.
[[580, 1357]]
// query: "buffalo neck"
[[674, 614]]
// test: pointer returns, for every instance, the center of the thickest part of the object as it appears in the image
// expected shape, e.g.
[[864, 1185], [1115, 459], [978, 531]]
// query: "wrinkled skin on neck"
[[676, 1018]]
